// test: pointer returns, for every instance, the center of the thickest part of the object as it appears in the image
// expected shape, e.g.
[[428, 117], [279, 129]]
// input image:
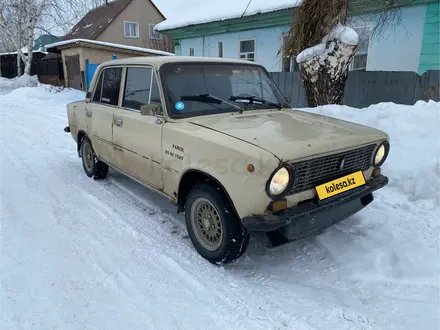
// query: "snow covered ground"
[[83, 254]]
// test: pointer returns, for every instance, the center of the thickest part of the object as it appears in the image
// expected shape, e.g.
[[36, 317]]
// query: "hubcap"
[[88, 156], [206, 224]]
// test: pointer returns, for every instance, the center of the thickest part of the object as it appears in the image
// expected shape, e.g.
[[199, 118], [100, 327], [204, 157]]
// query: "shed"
[[75, 52]]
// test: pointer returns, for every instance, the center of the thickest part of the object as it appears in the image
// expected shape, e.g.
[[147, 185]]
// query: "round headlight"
[[381, 153], [279, 182]]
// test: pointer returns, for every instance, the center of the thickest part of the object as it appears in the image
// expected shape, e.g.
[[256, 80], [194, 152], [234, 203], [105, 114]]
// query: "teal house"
[[256, 31], [45, 39]]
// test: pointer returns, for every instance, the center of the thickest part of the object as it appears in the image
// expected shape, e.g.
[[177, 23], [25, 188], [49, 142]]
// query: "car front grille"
[[311, 173]]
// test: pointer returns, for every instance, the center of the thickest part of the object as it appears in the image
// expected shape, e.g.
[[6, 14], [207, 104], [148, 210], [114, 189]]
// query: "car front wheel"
[[213, 227]]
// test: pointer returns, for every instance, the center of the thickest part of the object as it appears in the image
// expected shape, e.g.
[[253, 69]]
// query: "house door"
[[73, 72]]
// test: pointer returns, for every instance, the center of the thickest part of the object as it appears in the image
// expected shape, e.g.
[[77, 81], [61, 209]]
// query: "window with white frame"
[[359, 61], [131, 29], [289, 63], [247, 49], [152, 33]]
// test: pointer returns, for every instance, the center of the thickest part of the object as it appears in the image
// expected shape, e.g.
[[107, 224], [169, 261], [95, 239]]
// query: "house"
[[120, 28], [255, 30], [125, 22]]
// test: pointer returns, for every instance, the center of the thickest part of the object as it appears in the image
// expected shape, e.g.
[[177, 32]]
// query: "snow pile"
[[413, 162], [198, 12], [343, 33], [45, 93], [17, 82]]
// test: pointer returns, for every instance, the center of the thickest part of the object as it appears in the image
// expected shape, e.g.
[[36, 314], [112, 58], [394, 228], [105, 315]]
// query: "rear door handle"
[[118, 122], [88, 113]]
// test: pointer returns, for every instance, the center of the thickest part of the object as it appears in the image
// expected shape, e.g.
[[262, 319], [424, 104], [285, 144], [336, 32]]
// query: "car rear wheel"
[[92, 166], [213, 227]]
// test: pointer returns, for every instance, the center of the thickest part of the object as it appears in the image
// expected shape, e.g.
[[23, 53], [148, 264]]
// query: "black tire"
[[91, 165], [233, 240]]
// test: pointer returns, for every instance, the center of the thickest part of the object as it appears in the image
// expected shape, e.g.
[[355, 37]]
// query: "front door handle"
[[118, 122], [88, 113]]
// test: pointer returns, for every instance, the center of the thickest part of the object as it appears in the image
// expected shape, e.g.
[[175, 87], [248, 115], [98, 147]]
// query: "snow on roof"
[[108, 44], [214, 10]]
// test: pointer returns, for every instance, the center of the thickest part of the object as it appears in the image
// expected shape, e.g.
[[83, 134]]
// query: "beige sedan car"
[[217, 138]]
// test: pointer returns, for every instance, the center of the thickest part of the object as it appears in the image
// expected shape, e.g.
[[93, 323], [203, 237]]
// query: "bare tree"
[[6, 44], [325, 47], [161, 43], [19, 20]]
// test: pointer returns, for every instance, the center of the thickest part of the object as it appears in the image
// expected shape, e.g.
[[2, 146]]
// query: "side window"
[[141, 88], [111, 86], [137, 88], [98, 89]]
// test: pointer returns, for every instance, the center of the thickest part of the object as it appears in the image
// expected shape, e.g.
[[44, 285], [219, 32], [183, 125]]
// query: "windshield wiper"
[[256, 98], [208, 98]]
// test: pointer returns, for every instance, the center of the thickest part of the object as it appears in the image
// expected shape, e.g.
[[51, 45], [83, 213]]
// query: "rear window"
[[111, 86]]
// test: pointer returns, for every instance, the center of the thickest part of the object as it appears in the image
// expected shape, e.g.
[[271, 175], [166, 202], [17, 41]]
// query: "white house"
[[255, 30]]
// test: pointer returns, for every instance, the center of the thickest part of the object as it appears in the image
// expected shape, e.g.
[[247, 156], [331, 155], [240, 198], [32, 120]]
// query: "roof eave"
[[268, 19], [65, 44], [261, 20]]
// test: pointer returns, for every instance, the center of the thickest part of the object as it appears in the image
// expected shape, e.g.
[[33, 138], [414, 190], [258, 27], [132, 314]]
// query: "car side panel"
[[137, 146], [187, 146], [99, 123], [75, 116]]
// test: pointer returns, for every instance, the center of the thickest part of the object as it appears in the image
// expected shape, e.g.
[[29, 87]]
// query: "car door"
[[137, 138], [100, 112]]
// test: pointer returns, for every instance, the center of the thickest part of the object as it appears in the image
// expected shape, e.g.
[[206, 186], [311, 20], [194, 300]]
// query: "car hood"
[[292, 134]]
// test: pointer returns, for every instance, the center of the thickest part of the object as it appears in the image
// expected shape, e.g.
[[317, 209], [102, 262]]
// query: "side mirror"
[[152, 109]]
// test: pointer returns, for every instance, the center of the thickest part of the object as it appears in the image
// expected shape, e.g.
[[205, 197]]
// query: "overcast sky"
[[174, 7]]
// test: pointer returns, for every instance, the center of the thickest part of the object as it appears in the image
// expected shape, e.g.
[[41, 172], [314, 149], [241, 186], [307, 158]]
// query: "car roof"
[[158, 61]]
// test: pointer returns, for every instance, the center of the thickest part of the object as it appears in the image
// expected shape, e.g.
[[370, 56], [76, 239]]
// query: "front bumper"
[[315, 215]]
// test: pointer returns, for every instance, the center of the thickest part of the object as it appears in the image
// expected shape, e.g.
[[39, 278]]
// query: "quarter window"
[[131, 29], [155, 96], [111, 85], [98, 89], [140, 88], [247, 50]]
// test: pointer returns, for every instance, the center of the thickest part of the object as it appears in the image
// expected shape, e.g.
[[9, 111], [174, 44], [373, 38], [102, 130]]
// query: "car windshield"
[[195, 89]]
